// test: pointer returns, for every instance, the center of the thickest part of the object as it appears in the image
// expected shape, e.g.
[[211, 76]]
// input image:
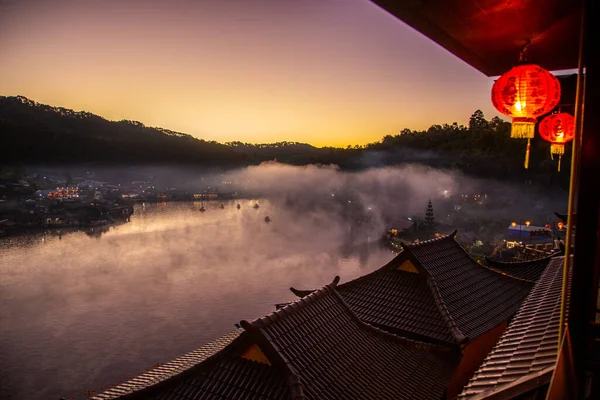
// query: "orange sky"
[[326, 72]]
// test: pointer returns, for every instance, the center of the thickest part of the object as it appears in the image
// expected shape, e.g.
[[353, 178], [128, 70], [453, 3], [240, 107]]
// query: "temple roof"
[[528, 348], [530, 270], [315, 347], [449, 298], [400, 302], [397, 301]]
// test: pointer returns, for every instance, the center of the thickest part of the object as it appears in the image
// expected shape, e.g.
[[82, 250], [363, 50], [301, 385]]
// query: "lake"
[[80, 312]]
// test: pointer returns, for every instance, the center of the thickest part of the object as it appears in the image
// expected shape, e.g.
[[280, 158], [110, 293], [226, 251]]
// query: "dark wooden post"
[[584, 291]]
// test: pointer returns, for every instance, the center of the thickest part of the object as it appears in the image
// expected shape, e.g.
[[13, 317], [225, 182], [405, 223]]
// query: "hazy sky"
[[327, 72]]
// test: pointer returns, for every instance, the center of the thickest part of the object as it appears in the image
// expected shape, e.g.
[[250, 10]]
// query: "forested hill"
[[33, 133], [37, 133]]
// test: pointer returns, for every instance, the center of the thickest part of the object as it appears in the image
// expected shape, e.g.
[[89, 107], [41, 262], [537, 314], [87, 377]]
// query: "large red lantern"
[[524, 93], [558, 129]]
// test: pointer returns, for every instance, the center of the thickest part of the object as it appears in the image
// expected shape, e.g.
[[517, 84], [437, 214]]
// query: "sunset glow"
[[322, 72]]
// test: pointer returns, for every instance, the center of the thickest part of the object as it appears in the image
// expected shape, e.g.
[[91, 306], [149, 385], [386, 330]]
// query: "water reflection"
[[82, 310]]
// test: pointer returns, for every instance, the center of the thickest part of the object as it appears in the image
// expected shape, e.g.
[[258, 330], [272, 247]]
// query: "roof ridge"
[[296, 387], [380, 332], [433, 240], [458, 335], [495, 271], [532, 281], [289, 308], [441, 305], [391, 264], [525, 262]]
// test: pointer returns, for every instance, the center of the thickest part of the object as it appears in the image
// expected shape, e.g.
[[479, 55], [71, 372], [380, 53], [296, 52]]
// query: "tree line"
[[33, 133]]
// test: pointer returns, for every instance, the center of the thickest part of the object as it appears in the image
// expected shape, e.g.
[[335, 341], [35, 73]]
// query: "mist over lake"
[[82, 311]]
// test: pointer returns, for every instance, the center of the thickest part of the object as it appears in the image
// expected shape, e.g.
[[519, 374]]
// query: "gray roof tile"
[[530, 343]]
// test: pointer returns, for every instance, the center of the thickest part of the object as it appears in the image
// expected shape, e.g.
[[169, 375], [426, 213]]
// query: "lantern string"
[[527, 154]]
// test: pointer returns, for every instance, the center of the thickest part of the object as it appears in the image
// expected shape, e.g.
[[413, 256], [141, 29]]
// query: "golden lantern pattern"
[[524, 93], [558, 129]]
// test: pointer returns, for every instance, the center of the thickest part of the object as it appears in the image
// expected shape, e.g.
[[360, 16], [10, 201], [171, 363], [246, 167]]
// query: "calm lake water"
[[80, 312]]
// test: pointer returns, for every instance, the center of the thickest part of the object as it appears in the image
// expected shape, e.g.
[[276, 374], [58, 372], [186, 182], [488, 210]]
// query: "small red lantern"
[[524, 93], [547, 226], [561, 225], [558, 129]]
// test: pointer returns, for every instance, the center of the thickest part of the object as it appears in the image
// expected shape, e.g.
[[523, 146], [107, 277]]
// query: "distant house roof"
[[526, 228], [529, 270], [528, 348], [564, 217], [403, 224], [448, 298], [315, 347]]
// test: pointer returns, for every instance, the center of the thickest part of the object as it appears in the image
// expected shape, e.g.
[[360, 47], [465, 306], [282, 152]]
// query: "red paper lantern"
[[524, 93], [547, 226], [558, 129]]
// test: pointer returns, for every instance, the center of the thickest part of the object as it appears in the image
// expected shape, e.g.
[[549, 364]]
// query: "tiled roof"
[[315, 348], [231, 377], [397, 301], [170, 369], [336, 355], [471, 296], [452, 299], [529, 345], [528, 270]]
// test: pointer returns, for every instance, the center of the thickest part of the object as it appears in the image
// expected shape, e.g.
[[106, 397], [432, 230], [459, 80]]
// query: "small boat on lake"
[[267, 219], [202, 209], [221, 206], [239, 206], [256, 205]]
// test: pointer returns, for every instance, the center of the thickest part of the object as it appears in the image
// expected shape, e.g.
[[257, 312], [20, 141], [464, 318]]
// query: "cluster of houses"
[[431, 324], [81, 202], [24, 208]]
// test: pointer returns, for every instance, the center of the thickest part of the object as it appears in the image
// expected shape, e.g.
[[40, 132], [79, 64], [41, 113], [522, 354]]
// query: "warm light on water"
[[81, 312]]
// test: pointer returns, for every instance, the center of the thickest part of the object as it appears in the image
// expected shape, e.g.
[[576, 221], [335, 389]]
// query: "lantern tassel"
[[559, 158], [551, 155], [527, 154]]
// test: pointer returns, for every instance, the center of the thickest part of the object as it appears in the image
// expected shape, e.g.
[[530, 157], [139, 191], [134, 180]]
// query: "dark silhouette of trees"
[[32, 133]]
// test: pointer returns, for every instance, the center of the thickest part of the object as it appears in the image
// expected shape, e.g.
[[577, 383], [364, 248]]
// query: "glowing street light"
[[513, 224]]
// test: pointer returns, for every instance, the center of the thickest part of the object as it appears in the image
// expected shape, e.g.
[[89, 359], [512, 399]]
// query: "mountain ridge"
[[37, 134]]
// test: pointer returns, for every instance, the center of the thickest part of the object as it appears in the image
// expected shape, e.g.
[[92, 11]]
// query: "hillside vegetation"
[[33, 133]]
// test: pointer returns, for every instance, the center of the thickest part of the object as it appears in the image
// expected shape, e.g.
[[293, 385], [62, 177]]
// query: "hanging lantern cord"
[[527, 154]]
